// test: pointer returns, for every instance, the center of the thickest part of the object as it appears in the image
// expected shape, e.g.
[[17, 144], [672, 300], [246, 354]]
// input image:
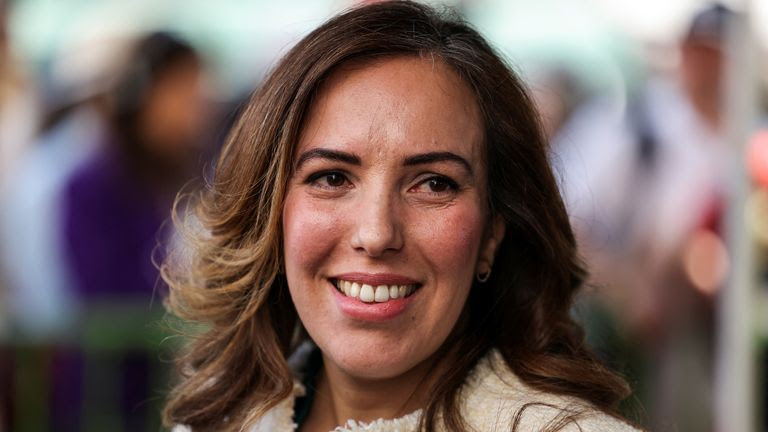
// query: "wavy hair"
[[228, 276]]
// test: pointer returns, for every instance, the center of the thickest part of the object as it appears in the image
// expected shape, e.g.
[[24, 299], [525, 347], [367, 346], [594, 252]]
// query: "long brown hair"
[[229, 276]]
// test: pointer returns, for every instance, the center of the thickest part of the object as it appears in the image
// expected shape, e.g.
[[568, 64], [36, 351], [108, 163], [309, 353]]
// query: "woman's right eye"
[[328, 180]]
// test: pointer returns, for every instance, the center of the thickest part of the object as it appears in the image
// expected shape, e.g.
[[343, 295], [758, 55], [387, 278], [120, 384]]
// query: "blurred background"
[[656, 115]]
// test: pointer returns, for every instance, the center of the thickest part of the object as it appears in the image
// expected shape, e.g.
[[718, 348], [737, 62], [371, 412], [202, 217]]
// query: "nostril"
[[378, 226], [377, 242]]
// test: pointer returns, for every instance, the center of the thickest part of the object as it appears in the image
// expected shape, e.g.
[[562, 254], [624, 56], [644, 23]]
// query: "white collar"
[[491, 399]]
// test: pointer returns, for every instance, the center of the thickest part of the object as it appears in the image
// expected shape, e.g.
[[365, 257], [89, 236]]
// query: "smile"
[[370, 294]]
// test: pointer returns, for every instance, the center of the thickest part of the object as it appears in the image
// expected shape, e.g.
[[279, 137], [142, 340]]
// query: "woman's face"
[[385, 216]]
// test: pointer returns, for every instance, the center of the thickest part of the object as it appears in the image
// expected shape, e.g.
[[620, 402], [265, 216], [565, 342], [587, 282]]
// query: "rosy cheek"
[[310, 232], [450, 238]]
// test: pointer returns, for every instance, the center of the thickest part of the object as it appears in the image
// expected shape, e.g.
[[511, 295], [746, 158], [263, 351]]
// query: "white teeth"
[[369, 293], [382, 293], [366, 293]]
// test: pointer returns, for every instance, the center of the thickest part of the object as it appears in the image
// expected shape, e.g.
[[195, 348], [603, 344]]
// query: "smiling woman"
[[405, 209], [388, 164]]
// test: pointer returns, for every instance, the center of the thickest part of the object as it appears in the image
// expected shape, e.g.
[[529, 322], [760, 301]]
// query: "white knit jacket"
[[491, 399]]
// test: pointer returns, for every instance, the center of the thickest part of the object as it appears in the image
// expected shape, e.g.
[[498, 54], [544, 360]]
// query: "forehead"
[[397, 104]]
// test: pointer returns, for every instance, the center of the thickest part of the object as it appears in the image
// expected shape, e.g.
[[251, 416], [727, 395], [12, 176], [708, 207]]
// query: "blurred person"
[[559, 94], [648, 212], [19, 117], [114, 205], [39, 308], [19, 110], [18, 122], [73, 122], [116, 201], [39, 284]]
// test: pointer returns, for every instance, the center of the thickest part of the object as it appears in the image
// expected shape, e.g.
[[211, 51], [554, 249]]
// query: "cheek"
[[449, 244], [451, 241], [309, 235]]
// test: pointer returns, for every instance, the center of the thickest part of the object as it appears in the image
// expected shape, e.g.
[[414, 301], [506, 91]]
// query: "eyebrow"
[[426, 158], [352, 159], [334, 155]]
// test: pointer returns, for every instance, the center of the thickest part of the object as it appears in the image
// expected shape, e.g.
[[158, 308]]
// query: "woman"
[[385, 195]]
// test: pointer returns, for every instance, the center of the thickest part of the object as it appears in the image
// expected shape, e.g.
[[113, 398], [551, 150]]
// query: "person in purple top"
[[116, 202], [114, 208]]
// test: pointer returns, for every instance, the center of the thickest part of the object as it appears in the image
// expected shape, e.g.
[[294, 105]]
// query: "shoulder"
[[277, 418], [495, 399]]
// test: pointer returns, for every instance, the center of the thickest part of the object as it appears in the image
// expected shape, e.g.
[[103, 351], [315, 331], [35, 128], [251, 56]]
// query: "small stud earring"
[[482, 276]]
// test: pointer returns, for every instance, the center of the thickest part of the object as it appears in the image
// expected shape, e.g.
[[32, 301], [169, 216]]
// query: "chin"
[[366, 360]]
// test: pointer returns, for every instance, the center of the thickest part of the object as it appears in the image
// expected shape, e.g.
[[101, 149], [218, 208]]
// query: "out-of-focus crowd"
[[90, 170], [646, 192], [647, 180], [90, 167]]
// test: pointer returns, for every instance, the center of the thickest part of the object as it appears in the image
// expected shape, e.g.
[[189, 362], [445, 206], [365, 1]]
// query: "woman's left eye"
[[436, 185]]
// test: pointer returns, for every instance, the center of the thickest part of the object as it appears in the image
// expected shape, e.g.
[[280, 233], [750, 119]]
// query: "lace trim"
[[408, 422]]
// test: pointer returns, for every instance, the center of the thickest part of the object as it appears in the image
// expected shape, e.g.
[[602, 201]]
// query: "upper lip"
[[376, 279]]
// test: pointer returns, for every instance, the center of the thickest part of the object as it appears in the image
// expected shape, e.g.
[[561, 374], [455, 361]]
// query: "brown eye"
[[328, 180], [438, 185], [335, 179]]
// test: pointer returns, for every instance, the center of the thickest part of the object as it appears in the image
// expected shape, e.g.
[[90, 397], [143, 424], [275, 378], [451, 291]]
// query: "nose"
[[378, 225]]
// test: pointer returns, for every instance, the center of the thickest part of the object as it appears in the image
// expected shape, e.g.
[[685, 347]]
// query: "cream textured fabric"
[[491, 399]]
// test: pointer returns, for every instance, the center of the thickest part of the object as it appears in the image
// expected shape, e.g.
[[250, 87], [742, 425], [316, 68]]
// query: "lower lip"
[[372, 312]]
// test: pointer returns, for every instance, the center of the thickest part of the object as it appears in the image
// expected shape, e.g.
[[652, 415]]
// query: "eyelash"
[[315, 179], [451, 185]]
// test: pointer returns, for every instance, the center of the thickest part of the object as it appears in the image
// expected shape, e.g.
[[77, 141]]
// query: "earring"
[[482, 276]]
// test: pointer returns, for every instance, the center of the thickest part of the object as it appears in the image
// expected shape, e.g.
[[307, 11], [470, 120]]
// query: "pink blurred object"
[[757, 158]]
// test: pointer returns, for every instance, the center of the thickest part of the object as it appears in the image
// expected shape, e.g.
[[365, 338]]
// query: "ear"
[[493, 236]]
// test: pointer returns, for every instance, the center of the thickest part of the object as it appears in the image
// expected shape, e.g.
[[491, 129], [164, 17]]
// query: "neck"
[[340, 396]]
